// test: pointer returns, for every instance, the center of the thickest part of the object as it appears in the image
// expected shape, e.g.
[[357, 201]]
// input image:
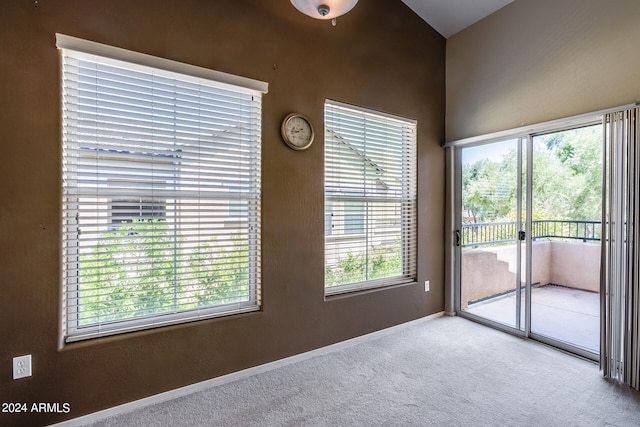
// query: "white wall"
[[538, 60]]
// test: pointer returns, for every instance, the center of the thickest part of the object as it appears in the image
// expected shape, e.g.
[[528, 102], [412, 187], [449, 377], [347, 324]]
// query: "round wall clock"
[[297, 131]]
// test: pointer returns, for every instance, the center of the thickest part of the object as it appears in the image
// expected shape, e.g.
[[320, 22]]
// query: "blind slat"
[[161, 177], [370, 199]]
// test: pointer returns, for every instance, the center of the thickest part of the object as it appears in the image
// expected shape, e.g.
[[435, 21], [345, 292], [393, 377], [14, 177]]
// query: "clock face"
[[297, 132]]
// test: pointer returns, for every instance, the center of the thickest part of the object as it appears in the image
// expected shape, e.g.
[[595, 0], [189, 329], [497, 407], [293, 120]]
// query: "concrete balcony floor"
[[564, 314]]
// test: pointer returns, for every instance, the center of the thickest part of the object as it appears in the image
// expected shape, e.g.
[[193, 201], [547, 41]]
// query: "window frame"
[[339, 195], [71, 330]]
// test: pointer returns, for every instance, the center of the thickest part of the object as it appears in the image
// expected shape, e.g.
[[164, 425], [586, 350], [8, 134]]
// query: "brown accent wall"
[[380, 55]]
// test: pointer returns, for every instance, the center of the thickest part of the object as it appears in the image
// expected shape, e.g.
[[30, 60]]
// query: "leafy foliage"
[[567, 179], [145, 268], [381, 262]]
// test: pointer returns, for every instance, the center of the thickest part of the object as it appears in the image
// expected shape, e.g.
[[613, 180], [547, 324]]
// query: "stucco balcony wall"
[[492, 270]]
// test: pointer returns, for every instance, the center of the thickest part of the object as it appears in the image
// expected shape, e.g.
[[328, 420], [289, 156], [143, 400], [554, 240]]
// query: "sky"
[[493, 152]]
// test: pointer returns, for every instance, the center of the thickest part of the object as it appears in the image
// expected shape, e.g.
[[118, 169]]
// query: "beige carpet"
[[444, 372]]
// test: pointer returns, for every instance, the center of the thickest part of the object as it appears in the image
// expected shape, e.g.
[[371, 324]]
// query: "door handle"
[[457, 237], [522, 235]]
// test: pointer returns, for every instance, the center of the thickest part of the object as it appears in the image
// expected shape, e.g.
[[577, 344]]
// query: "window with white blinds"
[[161, 195], [370, 199]]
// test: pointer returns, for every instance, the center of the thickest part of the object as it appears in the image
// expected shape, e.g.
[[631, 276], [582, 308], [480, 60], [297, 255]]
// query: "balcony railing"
[[496, 233]]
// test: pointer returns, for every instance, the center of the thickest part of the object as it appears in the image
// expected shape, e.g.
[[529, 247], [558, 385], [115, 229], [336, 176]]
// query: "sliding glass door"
[[528, 235], [488, 236], [566, 212]]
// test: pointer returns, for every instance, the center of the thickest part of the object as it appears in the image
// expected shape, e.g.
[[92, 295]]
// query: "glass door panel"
[[566, 211], [490, 249]]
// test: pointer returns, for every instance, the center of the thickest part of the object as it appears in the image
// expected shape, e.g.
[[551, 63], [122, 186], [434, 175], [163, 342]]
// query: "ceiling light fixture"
[[324, 9]]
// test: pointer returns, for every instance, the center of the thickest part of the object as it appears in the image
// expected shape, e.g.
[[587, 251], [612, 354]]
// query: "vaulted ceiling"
[[451, 16]]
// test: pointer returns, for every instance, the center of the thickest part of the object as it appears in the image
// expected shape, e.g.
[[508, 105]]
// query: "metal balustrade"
[[495, 233]]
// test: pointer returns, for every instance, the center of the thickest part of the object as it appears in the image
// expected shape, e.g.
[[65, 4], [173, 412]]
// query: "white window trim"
[[160, 66], [106, 51], [409, 246]]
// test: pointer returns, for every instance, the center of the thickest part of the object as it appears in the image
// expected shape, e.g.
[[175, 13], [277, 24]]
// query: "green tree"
[[217, 274], [566, 181], [145, 267], [113, 286], [382, 261], [490, 189], [580, 154]]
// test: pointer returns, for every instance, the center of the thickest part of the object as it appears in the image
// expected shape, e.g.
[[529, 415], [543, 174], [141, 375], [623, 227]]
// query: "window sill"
[[352, 292]]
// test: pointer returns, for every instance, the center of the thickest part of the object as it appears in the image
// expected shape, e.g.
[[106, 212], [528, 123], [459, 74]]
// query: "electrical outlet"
[[22, 367], [426, 286]]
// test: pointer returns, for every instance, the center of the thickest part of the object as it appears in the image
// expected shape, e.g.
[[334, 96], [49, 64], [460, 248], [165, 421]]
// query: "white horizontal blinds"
[[161, 196], [370, 199]]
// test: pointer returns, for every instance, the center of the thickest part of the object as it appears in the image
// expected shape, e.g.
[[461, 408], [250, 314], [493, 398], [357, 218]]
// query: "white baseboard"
[[193, 388]]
